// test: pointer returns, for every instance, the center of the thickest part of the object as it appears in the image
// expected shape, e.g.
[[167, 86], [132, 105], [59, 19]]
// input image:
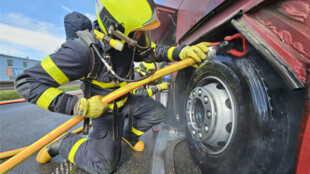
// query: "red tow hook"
[[244, 45], [233, 51]]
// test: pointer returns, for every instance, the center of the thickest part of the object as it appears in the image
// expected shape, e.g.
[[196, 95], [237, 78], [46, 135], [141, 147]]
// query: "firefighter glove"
[[162, 86], [196, 52], [90, 108]]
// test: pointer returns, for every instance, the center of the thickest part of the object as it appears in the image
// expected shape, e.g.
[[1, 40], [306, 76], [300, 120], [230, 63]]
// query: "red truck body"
[[279, 30]]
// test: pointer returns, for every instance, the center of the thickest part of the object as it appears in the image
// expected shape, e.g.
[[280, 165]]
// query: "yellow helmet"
[[131, 15]]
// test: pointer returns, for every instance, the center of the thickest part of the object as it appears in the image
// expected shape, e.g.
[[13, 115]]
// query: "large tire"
[[240, 117]]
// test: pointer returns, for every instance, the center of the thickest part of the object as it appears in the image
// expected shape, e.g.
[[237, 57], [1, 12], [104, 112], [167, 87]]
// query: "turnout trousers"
[[99, 153]]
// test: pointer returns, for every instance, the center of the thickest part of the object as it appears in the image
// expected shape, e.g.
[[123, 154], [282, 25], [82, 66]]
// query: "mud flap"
[[165, 144], [169, 164]]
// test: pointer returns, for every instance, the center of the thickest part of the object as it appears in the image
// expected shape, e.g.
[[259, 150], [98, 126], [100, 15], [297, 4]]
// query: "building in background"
[[11, 67]]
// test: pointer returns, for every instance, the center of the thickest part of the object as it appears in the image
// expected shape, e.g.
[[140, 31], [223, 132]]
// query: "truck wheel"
[[238, 118]]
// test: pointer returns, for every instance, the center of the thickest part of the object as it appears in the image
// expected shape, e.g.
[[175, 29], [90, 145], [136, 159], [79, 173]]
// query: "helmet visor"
[[143, 39]]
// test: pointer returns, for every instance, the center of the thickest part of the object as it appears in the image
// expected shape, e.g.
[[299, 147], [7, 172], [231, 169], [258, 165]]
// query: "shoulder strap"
[[86, 37], [95, 66], [88, 40]]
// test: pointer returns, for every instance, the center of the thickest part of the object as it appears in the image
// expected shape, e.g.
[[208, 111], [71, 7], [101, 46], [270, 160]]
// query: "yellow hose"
[[16, 151], [30, 150]]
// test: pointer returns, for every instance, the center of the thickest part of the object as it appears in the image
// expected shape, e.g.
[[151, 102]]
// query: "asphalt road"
[[24, 123]]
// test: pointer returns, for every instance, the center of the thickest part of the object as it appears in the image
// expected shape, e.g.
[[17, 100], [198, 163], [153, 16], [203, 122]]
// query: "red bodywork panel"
[[214, 20], [167, 17], [284, 26], [191, 12], [287, 35], [291, 57], [303, 154]]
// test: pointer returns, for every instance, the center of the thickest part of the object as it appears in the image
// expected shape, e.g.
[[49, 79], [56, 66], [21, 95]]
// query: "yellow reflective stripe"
[[170, 51], [74, 148], [51, 68], [108, 85], [122, 84], [153, 45], [137, 132], [149, 91], [104, 85], [119, 103], [47, 97], [134, 91]]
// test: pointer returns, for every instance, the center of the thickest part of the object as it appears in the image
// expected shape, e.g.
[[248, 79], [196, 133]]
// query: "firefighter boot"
[[133, 141], [50, 150]]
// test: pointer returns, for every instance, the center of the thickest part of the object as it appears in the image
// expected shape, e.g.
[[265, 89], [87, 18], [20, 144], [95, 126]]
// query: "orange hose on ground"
[[11, 152], [30, 150], [12, 101], [23, 100], [16, 151]]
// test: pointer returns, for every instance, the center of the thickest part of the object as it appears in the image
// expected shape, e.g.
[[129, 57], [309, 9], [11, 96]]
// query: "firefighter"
[[143, 70], [123, 21]]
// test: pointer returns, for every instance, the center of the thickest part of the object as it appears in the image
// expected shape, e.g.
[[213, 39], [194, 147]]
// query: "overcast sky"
[[35, 28]]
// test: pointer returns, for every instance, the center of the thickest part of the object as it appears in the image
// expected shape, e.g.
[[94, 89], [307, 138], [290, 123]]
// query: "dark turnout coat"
[[73, 61]]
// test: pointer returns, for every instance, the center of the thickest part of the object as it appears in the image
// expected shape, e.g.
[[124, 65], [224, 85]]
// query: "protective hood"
[[74, 22]]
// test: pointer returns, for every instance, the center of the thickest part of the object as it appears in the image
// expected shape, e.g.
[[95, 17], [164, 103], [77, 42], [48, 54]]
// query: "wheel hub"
[[210, 115]]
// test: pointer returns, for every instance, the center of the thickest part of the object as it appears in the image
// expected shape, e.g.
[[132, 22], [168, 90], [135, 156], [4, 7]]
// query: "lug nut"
[[206, 128], [200, 135], [199, 92], [209, 114], [194, 93], [193, 132], [189, 102], [206, 100]]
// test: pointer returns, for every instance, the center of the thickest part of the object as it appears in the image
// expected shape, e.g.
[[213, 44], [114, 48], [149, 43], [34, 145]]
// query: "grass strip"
[[11, 94]]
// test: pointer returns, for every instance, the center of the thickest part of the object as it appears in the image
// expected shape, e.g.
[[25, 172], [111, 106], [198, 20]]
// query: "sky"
[[35, 28]]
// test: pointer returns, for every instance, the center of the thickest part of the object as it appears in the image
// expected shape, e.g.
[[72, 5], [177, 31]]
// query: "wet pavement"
[[24, 123]]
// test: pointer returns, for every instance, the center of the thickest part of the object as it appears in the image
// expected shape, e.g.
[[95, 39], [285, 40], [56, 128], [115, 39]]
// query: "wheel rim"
[[210, 115]]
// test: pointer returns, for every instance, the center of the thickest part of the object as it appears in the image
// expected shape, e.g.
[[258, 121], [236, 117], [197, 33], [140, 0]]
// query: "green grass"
[[8, 95], [11, 94]]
